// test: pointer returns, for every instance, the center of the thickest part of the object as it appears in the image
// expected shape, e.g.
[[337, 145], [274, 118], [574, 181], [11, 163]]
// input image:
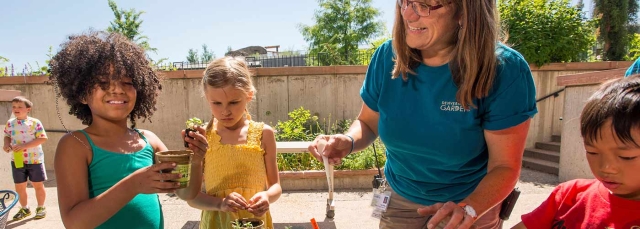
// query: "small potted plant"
[[192, 123], [247, 223]]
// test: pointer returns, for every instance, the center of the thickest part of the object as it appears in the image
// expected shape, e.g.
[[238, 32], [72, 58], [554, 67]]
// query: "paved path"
[[295, 209]]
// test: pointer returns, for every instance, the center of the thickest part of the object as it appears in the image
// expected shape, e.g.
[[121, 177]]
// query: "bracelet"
[[352, 144], [469, 210]]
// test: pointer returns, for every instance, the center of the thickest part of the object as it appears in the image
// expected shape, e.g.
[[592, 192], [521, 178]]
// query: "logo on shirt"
[[452, 107]]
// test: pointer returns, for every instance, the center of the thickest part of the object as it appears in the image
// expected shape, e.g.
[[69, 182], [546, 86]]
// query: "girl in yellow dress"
[[240, 171]]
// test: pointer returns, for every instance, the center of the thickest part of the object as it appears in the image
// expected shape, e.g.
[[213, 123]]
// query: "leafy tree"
[[341, 26], [615, 19], [368, 52], [634, 47], [207, 55], [192, 56], [546, 31], [127, 23]]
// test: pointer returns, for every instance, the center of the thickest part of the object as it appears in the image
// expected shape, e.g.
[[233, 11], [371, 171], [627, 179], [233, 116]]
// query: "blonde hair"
[[474, 62], [228, 71]]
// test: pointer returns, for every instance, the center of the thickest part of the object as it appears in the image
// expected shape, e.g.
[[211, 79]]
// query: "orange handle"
[[314, 224]]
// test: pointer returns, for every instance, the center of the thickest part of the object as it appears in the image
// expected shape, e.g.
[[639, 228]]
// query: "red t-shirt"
[[584, 204]]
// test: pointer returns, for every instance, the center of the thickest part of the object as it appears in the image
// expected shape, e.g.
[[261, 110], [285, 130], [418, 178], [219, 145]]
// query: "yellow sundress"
[[234, 168]]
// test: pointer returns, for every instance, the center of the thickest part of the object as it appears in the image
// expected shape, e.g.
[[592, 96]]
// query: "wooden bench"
[[293, 147]]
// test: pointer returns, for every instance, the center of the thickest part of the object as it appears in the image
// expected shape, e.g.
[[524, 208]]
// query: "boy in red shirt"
[[610, 128]]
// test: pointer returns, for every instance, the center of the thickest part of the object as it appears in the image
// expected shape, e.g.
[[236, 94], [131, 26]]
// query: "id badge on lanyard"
[[380, 200]]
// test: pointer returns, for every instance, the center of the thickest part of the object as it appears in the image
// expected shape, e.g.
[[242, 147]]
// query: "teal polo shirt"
[[633, 69], [436, 151]]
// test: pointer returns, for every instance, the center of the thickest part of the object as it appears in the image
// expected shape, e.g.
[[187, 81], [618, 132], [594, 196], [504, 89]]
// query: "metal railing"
[[554, 94], [361, 57]]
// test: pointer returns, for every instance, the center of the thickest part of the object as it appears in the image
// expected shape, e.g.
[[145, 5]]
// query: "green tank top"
[[108, 168]]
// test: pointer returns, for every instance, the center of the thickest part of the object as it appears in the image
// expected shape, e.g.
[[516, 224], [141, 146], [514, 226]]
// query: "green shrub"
[[362, 160], [302, 126], [298, 127], [634, 48]]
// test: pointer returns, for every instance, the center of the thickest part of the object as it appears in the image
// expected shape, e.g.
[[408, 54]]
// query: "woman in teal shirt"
[[452, 106]]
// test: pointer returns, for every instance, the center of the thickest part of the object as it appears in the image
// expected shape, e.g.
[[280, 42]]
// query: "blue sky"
[[29, 27]]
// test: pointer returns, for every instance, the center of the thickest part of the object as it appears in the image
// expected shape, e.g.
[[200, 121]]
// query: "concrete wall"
[[332, 93], [547, 122], [573, 161], [579, 87], [317, 180]]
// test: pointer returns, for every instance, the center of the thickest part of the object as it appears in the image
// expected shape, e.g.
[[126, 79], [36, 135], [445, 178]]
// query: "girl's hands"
[[149, 180], [234, 202], [457, 217], [259, 204], [338, 146], [197, 143]]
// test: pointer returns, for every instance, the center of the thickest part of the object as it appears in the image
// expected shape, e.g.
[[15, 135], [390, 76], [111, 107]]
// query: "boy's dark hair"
[[27, 103], [617, 100], [85, 58]]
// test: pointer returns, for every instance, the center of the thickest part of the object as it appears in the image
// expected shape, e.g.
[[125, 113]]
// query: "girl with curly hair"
[[105, 172]]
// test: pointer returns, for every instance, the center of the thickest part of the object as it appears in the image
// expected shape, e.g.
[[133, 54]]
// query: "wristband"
[[352, 144]]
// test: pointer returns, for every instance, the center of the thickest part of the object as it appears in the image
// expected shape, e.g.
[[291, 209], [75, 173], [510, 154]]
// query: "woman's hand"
[[338, 146], [233, 202], [259, 204], [197, 143], [458, 218], [149, 179]]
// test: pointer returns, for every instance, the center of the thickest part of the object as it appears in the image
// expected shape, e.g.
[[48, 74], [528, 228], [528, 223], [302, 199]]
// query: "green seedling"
[[192, 123], [244, 223]]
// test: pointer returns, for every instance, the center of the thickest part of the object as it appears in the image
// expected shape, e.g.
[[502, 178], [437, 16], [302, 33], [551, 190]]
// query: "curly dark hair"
[[86, 57]]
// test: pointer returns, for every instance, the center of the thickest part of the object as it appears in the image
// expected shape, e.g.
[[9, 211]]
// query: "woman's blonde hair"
[[228, 71], [474, 61]]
